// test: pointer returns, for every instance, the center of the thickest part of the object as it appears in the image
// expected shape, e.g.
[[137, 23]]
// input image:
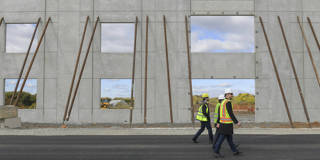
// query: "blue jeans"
[[220, 140], [216, 136], [204, 124]]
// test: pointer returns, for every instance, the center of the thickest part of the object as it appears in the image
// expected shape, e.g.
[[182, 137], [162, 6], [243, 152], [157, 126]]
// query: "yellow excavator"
[[104, 104]]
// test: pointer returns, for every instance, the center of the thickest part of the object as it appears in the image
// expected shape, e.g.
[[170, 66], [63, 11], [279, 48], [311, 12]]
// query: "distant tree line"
[[241, 99], [108, 99], [26, 101]]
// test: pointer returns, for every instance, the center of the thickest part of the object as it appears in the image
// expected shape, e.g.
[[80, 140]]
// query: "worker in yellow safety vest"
[[225, 121], [204, 117], [216, 112]]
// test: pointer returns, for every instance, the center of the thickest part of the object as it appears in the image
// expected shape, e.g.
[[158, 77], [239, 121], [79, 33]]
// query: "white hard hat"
[[228, 90], [221, 97]]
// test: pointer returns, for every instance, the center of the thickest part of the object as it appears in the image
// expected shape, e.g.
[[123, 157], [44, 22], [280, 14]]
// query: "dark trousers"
[[204, 124], [220, 140], [216, 135]]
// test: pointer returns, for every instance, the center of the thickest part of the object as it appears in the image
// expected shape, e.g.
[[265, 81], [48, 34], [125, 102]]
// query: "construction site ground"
[[157, 147], [261, 141], [154, 129]]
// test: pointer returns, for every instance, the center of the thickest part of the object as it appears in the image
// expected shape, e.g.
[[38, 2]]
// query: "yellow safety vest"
[[224, 115], [200, 115], [216, 112]]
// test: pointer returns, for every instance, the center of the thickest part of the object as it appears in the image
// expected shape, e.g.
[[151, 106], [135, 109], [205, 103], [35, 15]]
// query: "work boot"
[[218, 155], [236, 153], [194, 141]]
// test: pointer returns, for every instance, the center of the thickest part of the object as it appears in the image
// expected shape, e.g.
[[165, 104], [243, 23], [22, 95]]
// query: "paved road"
[[257, 147]]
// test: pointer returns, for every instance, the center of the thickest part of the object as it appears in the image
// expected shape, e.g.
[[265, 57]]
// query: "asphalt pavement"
[[164, 147]]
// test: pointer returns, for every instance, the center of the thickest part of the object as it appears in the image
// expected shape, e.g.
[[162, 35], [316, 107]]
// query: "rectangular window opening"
[[18, 37], [117, 37], [115, 94], [28, 98], [243, 95], [222, 34]]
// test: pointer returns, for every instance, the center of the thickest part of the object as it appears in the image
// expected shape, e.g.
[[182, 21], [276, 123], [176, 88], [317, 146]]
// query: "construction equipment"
[[105, 104]]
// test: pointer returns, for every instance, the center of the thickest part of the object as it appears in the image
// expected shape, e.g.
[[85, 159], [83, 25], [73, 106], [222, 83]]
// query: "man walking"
[[225, 122], [216, 112], [204, 117]]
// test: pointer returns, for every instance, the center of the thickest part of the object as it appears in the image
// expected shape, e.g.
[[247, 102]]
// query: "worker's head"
[[228, 94], [221, 98], [205, 96]]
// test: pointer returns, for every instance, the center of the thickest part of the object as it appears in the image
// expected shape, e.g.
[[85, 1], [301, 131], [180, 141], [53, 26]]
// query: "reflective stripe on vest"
[[200, 115], [224, 115], [216, 111]]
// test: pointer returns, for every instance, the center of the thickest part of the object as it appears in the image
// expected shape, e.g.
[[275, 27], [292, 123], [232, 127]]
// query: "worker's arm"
[[217, 125], [230, 111], [204, 110], [216, 112]]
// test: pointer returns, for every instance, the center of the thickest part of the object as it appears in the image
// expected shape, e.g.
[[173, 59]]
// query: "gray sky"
[[18, 37], [117, 37]]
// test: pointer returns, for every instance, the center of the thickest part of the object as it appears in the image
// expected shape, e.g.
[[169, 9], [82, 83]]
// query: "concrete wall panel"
[[55, 62]]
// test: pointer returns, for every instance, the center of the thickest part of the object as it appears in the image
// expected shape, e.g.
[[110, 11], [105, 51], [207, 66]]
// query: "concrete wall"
[[55, 61]]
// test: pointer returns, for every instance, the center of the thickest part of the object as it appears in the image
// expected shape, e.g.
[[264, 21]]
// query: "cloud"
[[120, 86], [117, 37], [18, 37], [12, 82], [222, 34], [107, 89], [225, 85], [115, 88], [30, 85]]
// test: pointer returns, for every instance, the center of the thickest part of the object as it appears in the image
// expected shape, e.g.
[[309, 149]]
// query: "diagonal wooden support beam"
[[168, 69], [314, 33], [32, 61], [292, 66], [309, 52], [276, 72], [82, 69], [133, 69], [1, 20], [75, 69], [25, 61], [146, 72], [189, 70]]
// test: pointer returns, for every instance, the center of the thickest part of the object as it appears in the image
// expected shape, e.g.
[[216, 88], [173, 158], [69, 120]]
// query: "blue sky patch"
[[216, 87]]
